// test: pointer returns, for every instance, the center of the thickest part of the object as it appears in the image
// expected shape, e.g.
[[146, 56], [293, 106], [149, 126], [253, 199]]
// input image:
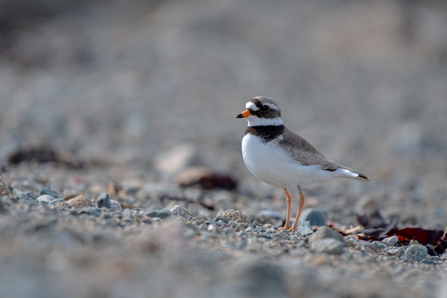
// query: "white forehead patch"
[[250, 105]]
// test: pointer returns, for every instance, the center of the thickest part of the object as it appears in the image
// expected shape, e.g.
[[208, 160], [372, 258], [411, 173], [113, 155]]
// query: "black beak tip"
[[239, 116]]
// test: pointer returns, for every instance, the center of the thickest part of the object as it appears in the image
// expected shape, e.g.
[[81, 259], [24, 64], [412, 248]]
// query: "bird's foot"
[[285, 228]]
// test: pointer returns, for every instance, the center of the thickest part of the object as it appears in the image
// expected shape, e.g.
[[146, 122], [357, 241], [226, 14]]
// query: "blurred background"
[[123, 81]]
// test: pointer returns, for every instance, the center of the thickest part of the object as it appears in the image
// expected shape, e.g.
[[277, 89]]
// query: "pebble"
[[45, 198], [378, 245], [416, 253], [234, 215], [25, 197], [164, 213], [217, 223], [91, 210], [304, 228], [430, 260], [178, 210], [227, 239], [48, 191], [328, 245], [212, 228], [151, 213], [280, 235], [104, 201], [80, 202], [325, 232], [127, 215], [221, 218], [265, 235], [115, 205], [256, 224], [390, 241], [314, 216], [4, 189]]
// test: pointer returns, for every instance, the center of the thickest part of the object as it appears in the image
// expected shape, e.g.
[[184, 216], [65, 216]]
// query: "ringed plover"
[[279, 157]]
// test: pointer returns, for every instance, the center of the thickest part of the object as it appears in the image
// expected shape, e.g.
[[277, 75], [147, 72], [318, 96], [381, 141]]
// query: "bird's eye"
[[264, 108]]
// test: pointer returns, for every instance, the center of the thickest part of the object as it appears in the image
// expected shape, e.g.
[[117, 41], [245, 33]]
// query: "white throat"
[[256, 121]]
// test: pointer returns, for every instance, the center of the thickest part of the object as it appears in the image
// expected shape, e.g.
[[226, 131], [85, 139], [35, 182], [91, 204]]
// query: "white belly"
[[273, 165]]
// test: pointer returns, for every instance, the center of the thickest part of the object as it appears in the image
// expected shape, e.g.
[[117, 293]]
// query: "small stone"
[[217, 223], [328, 245], [280, 235], [393, 251], [46, 198], [56, 201], [221, 218], [178, 210], [430, 260], [27, 197], [115, 205], [4, 189], [63, 205], [151, 213], [416, 253], [92, 211], [265, 235], [390, 241], [315, 217], [378, 245], [249, 229], [163, 213], [80, 202], [304, 228], [127, 214], [255, 224], [233, 215], [325, 232], [47, 191], [104, 201]]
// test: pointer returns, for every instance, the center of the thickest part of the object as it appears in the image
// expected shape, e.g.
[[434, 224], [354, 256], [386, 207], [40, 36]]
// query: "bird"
[[282, 158]]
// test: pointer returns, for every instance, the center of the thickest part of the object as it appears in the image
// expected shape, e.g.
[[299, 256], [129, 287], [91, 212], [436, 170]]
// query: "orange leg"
[[289, 202], [300, 208]]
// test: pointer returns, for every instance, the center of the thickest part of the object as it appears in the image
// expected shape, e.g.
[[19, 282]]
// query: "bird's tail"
[[349, 173]]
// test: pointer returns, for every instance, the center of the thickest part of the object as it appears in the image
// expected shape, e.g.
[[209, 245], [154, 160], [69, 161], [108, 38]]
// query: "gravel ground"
[[169, 243], [137, 99]]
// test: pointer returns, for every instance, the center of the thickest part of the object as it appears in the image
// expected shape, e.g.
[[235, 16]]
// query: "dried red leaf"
[[368, 238], [432, 237]]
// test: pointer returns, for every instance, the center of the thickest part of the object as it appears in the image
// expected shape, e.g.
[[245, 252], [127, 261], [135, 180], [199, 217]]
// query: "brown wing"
[[303, 152]]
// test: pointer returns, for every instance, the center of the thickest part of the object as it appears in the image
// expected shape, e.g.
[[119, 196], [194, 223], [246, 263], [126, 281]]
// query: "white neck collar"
[[256, 121]]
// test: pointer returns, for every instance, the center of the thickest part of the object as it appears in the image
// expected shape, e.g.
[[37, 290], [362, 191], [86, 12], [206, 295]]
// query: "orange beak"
[[244, 114]]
